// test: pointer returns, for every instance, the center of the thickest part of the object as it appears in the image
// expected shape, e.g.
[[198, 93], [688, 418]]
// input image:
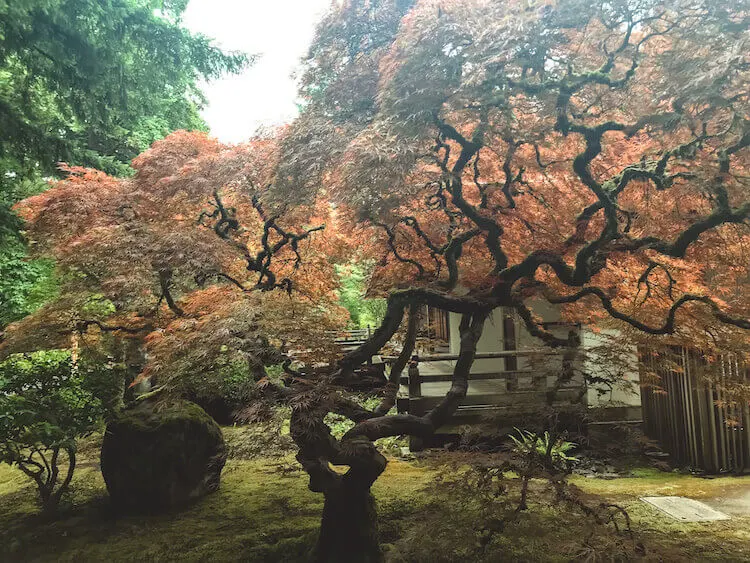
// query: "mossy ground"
[[264, 512]]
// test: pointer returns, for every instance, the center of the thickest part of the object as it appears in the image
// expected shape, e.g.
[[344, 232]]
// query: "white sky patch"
[[279, 32]]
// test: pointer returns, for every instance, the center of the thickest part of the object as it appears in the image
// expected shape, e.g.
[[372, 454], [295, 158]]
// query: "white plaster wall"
[[591, 361], [525, 341], [491, 341], [492, 337], [624, 367]]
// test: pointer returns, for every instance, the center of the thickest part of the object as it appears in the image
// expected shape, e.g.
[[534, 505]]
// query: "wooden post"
[[511, 381], [415, 404], [415, 380]]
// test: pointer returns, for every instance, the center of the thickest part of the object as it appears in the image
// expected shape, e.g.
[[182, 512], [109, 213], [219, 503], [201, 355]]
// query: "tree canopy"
[[89, 83], [95, 83], [47, 401], [187, 255], [517, 150]]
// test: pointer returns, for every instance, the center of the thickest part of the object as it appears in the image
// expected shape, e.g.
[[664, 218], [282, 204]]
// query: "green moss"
[[250, 513], [11, 479], [150, 415], [158, 456], [263, 511], [649, 481]]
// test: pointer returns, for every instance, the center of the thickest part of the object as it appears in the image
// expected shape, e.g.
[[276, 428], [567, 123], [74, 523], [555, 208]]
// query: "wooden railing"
[[522, 389], [414, 379], [351, 339], [351, 336], [481, 356]]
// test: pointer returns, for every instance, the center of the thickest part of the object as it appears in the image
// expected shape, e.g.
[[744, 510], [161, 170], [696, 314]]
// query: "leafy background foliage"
[[354, 281]]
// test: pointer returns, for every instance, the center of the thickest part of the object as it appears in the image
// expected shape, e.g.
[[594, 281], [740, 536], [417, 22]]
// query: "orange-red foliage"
[[146, 246], [519, 90]]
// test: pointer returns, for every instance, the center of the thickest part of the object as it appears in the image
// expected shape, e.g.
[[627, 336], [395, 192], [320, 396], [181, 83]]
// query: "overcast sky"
[[279, 32]]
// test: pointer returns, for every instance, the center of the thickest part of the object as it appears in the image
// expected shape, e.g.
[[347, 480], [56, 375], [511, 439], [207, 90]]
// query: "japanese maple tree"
[[591, 155], [183, 259]]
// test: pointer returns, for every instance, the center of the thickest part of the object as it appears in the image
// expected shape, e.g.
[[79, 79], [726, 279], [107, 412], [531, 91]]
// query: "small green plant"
[[45, 406], [531, 443]]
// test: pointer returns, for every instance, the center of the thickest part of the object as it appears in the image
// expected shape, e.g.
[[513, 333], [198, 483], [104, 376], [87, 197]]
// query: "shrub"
[[45, 405]]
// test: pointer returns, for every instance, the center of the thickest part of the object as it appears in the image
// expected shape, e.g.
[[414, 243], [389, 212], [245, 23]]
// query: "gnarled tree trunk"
[[349, 527]]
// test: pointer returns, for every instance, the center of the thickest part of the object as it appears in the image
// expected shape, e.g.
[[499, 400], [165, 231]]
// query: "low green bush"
[[48, 401]]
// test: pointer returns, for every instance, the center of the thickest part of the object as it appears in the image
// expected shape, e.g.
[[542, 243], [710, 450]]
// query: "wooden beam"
[[487, 356]]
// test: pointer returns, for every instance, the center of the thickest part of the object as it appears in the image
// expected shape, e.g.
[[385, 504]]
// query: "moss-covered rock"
[[156, 457]]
